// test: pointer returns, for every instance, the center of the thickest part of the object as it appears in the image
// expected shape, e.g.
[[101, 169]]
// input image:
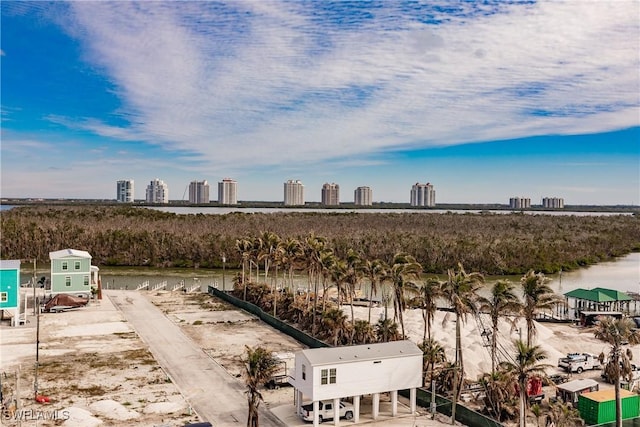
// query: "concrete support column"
[[394, 403], [336, 412], [412, 400], [356, 408], [375, 406], [316, 413], [298, 402]]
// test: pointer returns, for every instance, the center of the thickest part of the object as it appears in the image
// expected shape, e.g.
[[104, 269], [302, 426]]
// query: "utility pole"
[[35, 383], [33, 283]]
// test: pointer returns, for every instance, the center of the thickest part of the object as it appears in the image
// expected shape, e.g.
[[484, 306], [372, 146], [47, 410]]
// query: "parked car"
[[325, 409]]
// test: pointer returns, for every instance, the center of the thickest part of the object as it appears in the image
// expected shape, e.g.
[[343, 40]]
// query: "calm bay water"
[[622, 274]]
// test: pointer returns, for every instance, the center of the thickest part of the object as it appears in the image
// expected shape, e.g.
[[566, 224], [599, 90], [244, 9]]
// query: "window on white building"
[[304, 372], [77, 265], [328, 376], [67, 281], [86, 281], [65, 265]]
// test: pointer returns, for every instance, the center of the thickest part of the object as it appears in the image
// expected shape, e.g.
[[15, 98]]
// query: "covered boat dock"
[[600, 300]]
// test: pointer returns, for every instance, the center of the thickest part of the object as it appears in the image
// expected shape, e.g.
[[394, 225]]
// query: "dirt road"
[[216, 396]]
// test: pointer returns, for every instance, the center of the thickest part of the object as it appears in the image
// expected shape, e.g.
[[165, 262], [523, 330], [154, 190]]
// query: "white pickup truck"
[[325, 409], [578, 362]]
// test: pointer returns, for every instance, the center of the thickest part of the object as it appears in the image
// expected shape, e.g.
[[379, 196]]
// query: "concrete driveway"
[[212, 393]]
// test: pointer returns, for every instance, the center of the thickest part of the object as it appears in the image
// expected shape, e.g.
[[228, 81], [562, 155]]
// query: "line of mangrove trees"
[[484, 242]]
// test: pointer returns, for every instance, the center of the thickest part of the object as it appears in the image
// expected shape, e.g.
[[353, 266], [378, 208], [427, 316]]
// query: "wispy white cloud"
[[273, 82]]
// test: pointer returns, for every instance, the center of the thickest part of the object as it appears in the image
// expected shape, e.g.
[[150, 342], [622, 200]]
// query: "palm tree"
[[617, 332], [386, 330], [432, 354], [244, 246], [363, 332], [260, 365], [327, 262], [503, 301], [334, 322], [404, 270], [461, 291], [291, 254], [500, 399], [537, 296], [564, 415], [525, 366], [354, 273], [428, 295], [375, 271]]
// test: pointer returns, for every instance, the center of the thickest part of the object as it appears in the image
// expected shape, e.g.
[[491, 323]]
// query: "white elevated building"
[[353, 371]]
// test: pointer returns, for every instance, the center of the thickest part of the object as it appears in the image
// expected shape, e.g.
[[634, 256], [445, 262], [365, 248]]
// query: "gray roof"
[[10, 264], [387, 350], [577, 385], [64, 253]]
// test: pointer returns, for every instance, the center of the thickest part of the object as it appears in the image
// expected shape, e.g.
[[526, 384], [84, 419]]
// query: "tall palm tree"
[[260, 365], [403, 274], [244, 246], [502, 302], [375, 270], [617, 332], [291, 255], [525, 366], [327, 262], [429, 293], [461, 291], [537, 295], [354, 274], [269, 243]]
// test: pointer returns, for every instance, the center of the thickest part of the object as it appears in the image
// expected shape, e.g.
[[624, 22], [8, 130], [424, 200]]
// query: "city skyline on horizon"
[[487, 101], [340, 199]]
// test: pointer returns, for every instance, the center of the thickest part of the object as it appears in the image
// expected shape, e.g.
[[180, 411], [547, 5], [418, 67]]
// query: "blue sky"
[[485, 100]]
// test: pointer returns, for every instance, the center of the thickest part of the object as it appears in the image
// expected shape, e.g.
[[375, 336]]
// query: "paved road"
[[216, 396]]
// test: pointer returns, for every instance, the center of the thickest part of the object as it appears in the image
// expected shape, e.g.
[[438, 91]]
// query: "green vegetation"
[[485, 242]]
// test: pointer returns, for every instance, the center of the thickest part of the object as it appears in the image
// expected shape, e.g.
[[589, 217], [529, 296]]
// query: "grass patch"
[[125, 335], [92, 390]]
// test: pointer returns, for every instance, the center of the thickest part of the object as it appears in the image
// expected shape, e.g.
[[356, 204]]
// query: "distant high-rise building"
[[228, 192], [363, 196], [520, 203], [553, 202], [293, 193], [199, 192], [330, 194], [157, 192], [423, 195], [124, 191]]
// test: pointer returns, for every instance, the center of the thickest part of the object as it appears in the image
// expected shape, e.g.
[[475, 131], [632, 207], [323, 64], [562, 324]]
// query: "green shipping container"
[[599, 407]]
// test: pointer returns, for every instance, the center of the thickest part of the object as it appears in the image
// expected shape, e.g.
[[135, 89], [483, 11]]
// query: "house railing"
[[143, 285]]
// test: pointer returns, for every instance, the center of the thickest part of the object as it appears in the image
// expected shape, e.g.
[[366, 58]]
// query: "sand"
[[97, 371]]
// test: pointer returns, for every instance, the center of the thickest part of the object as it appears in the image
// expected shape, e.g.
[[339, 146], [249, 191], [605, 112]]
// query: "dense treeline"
[[487, 243]]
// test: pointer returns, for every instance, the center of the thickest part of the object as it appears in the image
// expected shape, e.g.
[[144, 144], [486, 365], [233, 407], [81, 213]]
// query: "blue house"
[[10, 289]]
